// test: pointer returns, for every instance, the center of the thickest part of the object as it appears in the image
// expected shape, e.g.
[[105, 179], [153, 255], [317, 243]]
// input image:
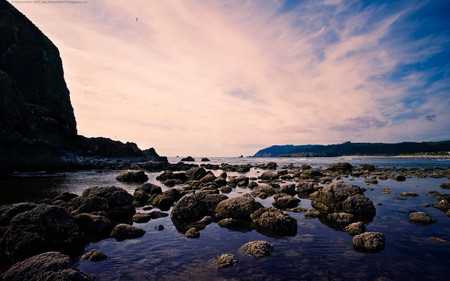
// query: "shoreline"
[[400, 156]]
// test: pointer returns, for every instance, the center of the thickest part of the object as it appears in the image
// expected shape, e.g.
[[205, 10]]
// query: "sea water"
[[316, 252]]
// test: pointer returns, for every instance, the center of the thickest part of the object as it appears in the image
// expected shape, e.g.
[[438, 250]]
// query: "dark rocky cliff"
[[37, 122]]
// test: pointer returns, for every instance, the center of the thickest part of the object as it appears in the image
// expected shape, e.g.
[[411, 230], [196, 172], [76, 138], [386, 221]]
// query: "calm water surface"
[[317, 252]]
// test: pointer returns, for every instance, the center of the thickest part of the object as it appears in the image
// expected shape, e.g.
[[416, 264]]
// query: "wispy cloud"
[[212, 77]]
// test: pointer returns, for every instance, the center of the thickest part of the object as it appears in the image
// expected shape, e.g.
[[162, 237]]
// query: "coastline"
[[400, 156]]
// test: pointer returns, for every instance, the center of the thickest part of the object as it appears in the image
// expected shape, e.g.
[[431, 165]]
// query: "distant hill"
[[348, 148]]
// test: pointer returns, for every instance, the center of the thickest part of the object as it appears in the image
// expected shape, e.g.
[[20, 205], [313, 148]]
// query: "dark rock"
[[9, 211], [94, 226], [142, 217], [273, 222], [46, 266], [258, 249], [205, 159], [369, 242], [142, 193], [340, 197], [115, 202], [227, 260], [212, 200], [284, 201], [311, 174], [188, 209], [443, 205], [386, 190], [305, 188], [206, 220], [398, 198], [344, 168], [41, 229], [195, 173], [132, 176], [192, 233], [355, 228], [399, 178], [269, 176], [288, 189], [209, 177], [94, 255], [445, 185], [188, 159], [239, 208], [410, 194], [367, 167], [263, 191], [228, 223], [421, 218], [165, 200], [65, 197], [159, 227], [125, 231], [225, 189], [340, 218], [158, 214]]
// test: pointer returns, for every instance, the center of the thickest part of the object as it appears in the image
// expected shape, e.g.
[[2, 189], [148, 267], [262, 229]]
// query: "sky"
[[228, 78]]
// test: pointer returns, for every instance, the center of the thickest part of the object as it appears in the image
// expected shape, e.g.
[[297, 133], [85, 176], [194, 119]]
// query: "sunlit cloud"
[[224, 78]]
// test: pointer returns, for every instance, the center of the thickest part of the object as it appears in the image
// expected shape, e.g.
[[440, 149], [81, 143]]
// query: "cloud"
[[212, 77], [430, 117]]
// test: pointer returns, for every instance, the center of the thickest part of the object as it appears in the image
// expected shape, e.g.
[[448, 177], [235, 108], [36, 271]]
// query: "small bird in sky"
[[136, 19]]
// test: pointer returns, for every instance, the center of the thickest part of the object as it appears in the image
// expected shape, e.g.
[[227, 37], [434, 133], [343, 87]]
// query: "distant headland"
[[406, 149]]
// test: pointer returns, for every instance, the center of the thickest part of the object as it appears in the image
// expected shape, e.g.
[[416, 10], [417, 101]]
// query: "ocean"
[[316, 252]]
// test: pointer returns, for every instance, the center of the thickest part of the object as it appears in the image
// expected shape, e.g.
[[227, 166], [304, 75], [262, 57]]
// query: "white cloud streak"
[[211, 77]]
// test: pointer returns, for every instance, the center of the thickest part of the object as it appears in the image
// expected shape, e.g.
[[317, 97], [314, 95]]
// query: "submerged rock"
[[46, 266], [421, 218], [258, 249], [94, 255], [369, 242], [125, 231], [227, 260]]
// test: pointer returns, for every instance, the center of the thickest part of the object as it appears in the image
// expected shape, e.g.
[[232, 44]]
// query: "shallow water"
[[317, 252]]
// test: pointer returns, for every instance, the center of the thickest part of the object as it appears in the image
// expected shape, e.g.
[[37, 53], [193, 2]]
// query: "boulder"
[[142, 193], [273, 222], [192, 233], [344, 168], [340, 218], [239, 208], [188, 159], [340, 197], [165, 200], [421, 218], [269, 176], [204, 159], [142, 217], [355, 228], [7, 212], [94, 255], [258, 249], [115, 202], [445, 185], [305, 188], [311, 214], [188, 209], [41, 229], [46, 266], [288, 189], [283, 201], [195, 173], [212, 200], [132, 176], [227, 260], [369, 242], [94, 226], [443, 205], [125, 231]]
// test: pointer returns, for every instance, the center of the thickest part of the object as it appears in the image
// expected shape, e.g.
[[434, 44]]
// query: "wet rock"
[[252, 184], [225, 189], [159, 227], [206, 220], [132, 176], [269, 176], [399, 178], [421, 218], [409, 194], [305, 188], [188, 209], [141, 217], [445, 185], [219, 182], [195, 173], [386, 190], [116, 203], [372, 180], [188, 159], [165, 200], [9, 211], [288, 189], [355, 228], [227, 260], [263, 190], [311, 174], [209, 177], [228, 223], [367, 167], [398, 198], [46, 266], [94, 226], [369, 242], [340, 197], [158, 214], [125, 231], [283, 201], [94, 255], [311, 214], [344, 168], [41, 229], [212, 200], [142, 194], [273, 222], [341, 218], [192, 233], [239, 208], [204, 159], [258, 249], [65, 197]]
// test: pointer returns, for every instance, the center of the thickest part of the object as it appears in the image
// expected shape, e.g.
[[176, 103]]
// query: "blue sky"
[[225, 78]]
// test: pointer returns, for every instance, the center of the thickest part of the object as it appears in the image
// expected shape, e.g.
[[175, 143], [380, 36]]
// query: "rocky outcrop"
[[46, 266]]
